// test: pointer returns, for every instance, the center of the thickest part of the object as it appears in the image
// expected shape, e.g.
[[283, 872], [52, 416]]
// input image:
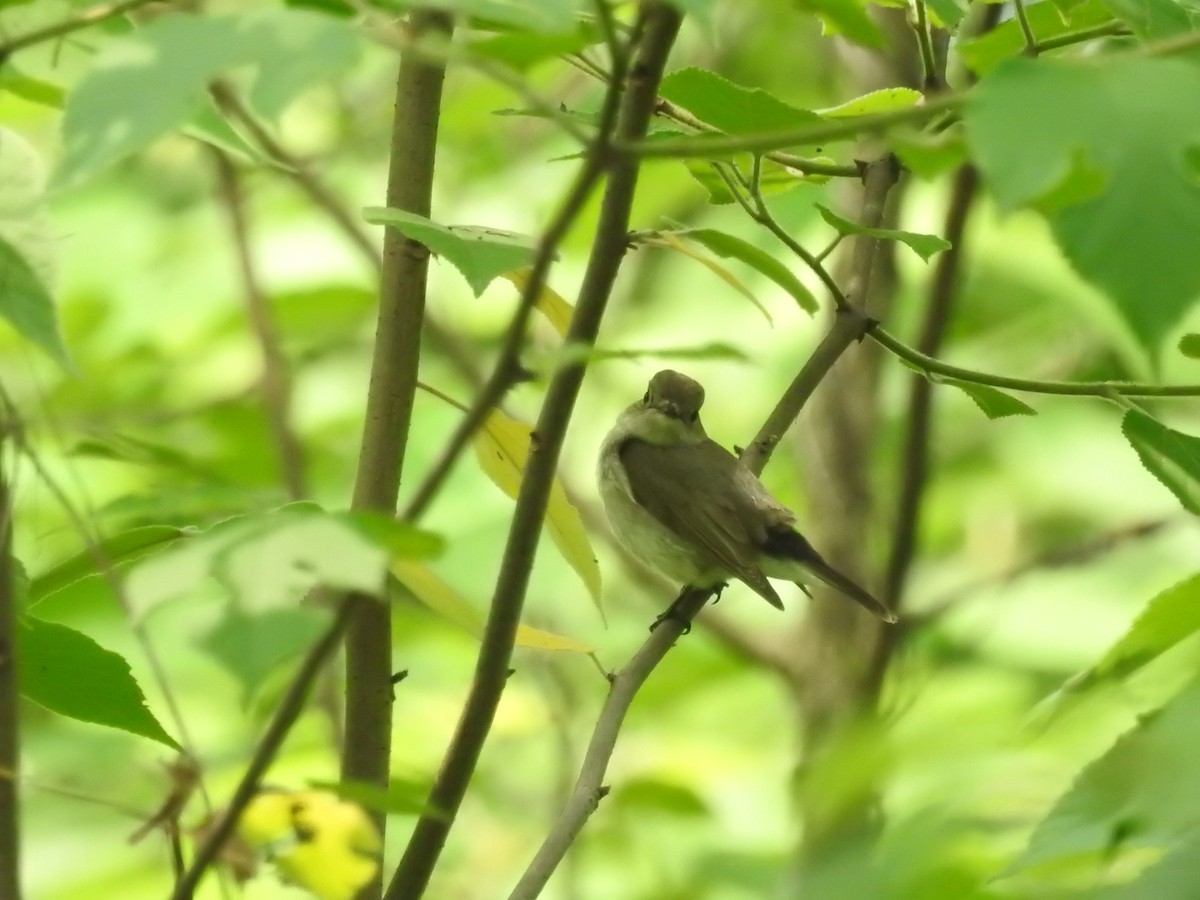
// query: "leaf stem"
[[1106, 389], [708, 147], [1031, 43], [1115, 28]]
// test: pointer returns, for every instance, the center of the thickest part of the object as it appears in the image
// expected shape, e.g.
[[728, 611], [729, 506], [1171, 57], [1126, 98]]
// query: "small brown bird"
[[684, 505]]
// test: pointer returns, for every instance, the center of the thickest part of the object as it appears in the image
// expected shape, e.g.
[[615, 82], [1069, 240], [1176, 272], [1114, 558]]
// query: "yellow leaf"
[[557, 311], [666, 239], [502, 446], [441, 598], [317, 840]]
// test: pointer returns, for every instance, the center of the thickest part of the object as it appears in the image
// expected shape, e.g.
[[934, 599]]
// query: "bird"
[[685, 506]]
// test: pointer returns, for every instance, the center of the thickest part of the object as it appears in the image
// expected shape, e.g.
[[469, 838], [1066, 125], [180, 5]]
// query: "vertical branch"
[[914, 459], [10, 747], [659, 24], [393, 383], [275, 381]]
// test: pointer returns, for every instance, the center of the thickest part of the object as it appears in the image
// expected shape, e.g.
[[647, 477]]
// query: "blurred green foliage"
[[1043, 539]]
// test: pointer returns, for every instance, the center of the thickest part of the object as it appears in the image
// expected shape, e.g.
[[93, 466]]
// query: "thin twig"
[[1105, 389], [275, 382], [1115, 28], [657, 26], [10, 730], [79, 21], [704, 146], [1031, 43], [285, 715], [930, 80], [366, 753], [914, 459]]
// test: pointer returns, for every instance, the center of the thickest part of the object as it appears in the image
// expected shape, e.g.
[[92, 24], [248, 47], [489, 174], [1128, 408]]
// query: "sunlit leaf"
[[108, 552], [441, 599], [1006, 40], [480, 254], [774, 178], [1169, 618], [924, 245], [324, 844], [995, 404], [719, 102], [883, 100], [549, 302], [1141, 793], [521, 50], [168, 64], [1136, 233], [528, 15], [1171, 456], [502, 448], [846, 17], [671, 241], [34, 90], [929, 155], [271, 560], [70, 674], [728, 246]]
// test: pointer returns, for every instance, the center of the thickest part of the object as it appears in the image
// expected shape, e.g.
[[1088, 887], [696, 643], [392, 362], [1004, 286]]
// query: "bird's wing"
[[694, 490]]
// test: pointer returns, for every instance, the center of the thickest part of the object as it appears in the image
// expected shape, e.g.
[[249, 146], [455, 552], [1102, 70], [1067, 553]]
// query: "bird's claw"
[[672, 612]]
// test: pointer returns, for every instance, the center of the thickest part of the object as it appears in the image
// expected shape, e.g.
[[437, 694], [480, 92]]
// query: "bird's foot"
[[672, 612], [718, 590]]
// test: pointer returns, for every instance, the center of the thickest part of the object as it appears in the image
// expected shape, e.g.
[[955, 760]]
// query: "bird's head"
[[669, 412]]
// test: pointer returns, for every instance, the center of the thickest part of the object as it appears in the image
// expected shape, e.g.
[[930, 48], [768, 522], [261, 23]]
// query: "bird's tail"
[[789, 549]]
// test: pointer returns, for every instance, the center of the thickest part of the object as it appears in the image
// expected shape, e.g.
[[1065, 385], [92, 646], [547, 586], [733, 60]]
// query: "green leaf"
[[1173, 877], [1156, 19], [1132, 120], [845, 17], [929, 155], [651, 795], [1141, 793], [994, 403], [502, 448], [577, 352], [251, 645], [924, 245], [774, 179], [271, 560], [70, 674], [1006, 40], [405, 798], [168, 64], [521, 50], [947, 13], [1189, 345], [27, 306], [113, 550], [1169, 618], [434, 594], [727, 246], [480, 254], [1170, 456], [28, 88], [730, 107], [528, 15], [880, 101], [670, 240]]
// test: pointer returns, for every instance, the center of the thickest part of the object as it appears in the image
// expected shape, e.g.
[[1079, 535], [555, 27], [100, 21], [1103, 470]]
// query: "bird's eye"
[[646, 399]]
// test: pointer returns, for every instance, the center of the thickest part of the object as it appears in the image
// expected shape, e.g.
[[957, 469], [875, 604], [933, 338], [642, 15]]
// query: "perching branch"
[[657, 26], [589, 786], [10, 731], [275, 381], [390, 393]]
